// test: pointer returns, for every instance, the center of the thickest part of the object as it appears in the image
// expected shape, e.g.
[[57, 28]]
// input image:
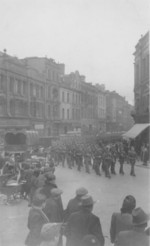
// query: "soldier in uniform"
[[106, 163], [121, 161], [87, 159], [132, 159], [113, 160], [97, 161], [69, 158], [79, 159]]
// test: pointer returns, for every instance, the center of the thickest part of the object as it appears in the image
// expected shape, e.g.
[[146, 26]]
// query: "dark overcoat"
[[74, 205], [36, 220], [120, 222], [54, 210], [135, 237], [80, 224]]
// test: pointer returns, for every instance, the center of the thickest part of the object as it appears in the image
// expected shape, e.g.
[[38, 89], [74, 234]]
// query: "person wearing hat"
[[82, 223], [33, 185], [50, 183], [36, 219], [74, 204], [122, 221], [136, 236], [54, 208]]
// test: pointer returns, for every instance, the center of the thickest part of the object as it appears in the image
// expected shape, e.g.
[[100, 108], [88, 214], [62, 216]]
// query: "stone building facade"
[[118, 112], [36, 94], [141, 80], [70, 102], [52, 73]]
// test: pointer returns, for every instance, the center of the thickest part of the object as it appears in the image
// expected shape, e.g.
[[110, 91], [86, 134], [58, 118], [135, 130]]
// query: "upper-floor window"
[[37, 91], [24, 87], [68, 114], [31, 89], [41, 92], [49, 110], [34, 91], [11, 84], [67, 97], [63, 113], [73, 113], [3, 81], [63, 96]]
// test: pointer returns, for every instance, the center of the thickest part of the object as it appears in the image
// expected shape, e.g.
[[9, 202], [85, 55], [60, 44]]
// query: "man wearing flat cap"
[[82, 223], [136, 236], [74, 204]]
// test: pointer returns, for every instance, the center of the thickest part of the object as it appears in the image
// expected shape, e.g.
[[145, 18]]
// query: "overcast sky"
[[95, 37]]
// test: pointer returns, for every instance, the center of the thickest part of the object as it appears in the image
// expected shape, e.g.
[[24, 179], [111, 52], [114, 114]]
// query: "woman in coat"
[[36, 219]]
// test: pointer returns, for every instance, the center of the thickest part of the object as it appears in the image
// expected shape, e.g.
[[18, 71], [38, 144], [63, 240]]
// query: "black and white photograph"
[[74, 123]]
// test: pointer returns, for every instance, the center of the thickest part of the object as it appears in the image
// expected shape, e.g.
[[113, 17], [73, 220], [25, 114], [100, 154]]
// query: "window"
[[67, 97], [3, 80], [41, 92], [11, 84], [73, 113], [24, 89], [49, 111], [63, 113], [34, 91], [73, 98], [68, 114], [31, 89], [63, 96]]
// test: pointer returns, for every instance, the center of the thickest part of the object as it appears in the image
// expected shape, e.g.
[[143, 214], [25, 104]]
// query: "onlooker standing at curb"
[[122, 221], [82, 223], [136, 236], [74, 205]]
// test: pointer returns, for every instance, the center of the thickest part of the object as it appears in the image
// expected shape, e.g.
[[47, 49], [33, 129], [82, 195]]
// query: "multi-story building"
[[36, 94], [89, 103], [101, 107], [141, 80], [118, 112], [52, 73], [21, 95], [70, 102]]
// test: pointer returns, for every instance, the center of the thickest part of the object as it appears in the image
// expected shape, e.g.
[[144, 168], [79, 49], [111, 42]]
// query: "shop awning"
[[136, 130]]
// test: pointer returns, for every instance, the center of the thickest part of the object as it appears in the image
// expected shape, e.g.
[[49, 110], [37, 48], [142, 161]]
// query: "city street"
[[108, 194]]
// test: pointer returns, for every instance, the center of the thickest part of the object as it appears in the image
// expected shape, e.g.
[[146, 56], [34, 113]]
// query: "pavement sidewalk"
[[140, 164]]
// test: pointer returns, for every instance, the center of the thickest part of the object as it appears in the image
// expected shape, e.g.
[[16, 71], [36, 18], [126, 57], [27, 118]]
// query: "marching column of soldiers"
[[99, 157]]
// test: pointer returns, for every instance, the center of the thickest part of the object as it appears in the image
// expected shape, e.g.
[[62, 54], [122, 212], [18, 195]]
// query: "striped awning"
[[135, 131]]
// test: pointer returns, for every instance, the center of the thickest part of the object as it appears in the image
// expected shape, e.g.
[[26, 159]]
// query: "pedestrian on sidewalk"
[[122, 221], [74, 205], [82, 223], [50, 183], [145, 156], [136, 236], [54, 209], [36, 220]]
